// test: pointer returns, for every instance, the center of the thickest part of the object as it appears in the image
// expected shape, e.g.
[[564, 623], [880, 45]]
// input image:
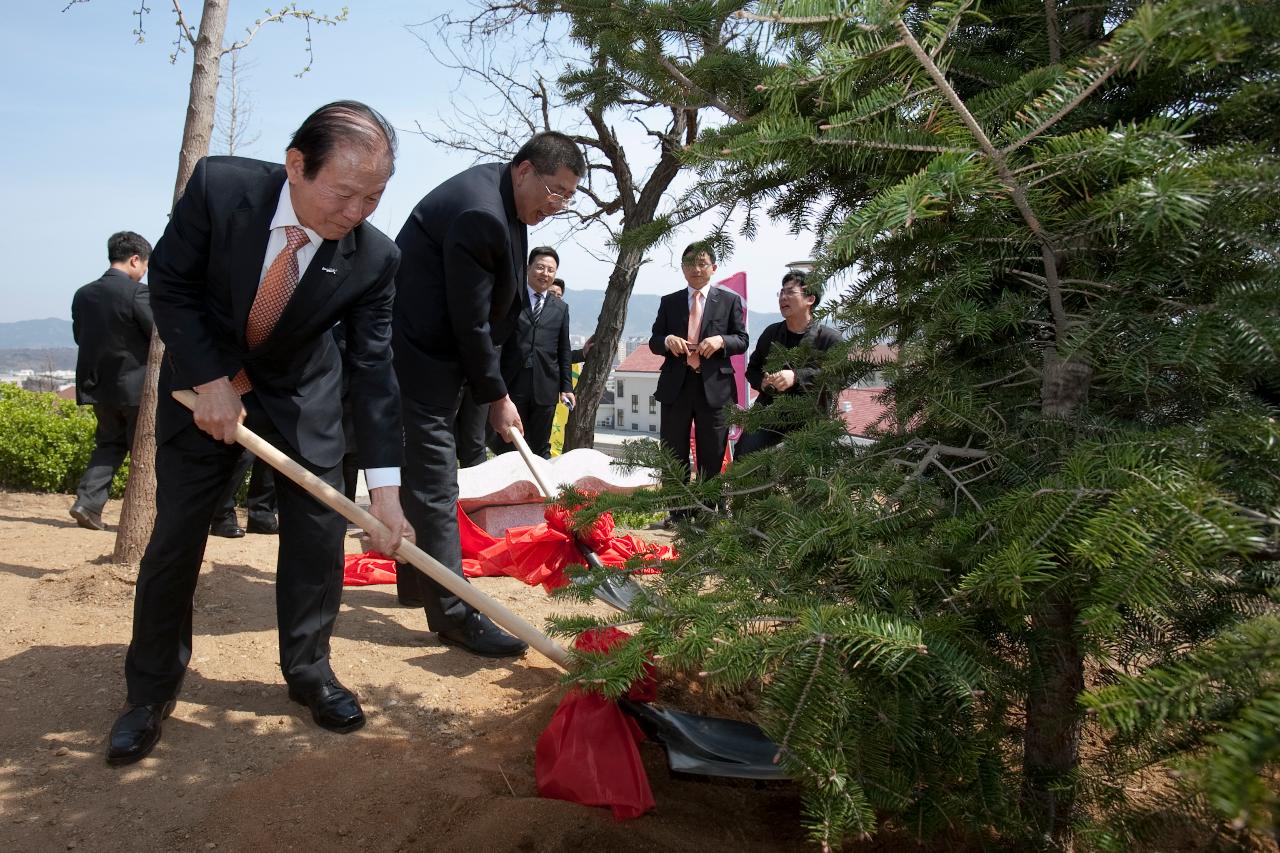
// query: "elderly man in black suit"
[[111, 323], [805, 340], [258, 261], [457, 297], [698, 327], [536, 356]]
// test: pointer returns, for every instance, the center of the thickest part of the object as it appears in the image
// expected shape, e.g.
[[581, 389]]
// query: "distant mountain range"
[[584, 308]]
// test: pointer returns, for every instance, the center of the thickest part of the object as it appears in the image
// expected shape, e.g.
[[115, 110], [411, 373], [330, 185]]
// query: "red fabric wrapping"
[[540, 553], [367, 568], [587, 754]]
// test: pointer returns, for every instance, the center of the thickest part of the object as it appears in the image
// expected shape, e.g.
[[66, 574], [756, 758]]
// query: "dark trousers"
[[261, 497], [469, 430], [537, 422], [111, 441], [708, 421], [192, 471], [429, 498], [752, 441]]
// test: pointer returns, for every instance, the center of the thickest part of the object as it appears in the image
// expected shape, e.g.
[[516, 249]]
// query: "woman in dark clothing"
[[796, 302]]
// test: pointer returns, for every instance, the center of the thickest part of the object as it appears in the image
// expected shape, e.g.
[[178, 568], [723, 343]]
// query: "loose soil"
[[444, 763]]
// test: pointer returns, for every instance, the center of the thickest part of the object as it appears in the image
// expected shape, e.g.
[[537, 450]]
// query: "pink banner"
[[738, 284]]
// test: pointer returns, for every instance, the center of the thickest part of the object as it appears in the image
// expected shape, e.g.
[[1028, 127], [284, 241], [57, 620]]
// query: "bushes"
[[45, 442]]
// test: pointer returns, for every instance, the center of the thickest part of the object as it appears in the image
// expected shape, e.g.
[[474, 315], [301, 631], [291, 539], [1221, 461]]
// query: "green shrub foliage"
[[45, 442], [1062, 217]]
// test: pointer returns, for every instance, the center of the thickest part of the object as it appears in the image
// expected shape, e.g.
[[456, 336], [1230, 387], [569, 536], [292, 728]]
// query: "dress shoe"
[[87, 518], [268, 526], [480, 636], [136, 732], [333, 706], [227, 528]]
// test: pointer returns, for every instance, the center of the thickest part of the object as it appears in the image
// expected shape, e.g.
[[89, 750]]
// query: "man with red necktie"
[[258, 262]]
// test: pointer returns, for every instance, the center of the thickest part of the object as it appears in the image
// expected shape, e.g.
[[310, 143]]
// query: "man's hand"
[[569, 399], [782, 381], [503, 416], [218, 410], [676, 345], [384, 504], [709, 346], [586, 348]]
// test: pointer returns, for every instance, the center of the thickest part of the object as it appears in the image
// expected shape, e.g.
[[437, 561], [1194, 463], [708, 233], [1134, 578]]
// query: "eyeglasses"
[[697, 265], [790, 291], [560, 201]]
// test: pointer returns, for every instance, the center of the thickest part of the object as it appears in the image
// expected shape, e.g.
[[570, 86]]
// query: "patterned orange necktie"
[[695, 329], [273, 294]]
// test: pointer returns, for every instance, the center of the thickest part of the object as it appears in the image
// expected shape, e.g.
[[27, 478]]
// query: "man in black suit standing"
[[536, 356], [111, 323], [258, 261], [457, 296], [697, 329]]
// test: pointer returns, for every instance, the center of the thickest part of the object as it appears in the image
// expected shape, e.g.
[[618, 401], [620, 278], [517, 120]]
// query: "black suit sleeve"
[[735, 336], [368, 373], [808, 375], [142, 310], [565, 355], [662, 328], [474, 246], [177, 276]]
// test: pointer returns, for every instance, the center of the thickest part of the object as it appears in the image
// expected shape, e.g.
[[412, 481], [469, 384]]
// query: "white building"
[[635, 409]]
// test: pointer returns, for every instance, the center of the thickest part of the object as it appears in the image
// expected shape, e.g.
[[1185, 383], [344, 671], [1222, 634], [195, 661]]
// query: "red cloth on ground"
[[587, 754], [540, 553], [367, 568]]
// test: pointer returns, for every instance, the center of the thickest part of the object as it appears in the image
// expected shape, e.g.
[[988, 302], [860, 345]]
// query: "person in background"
[[536, 356], [557, 288], [111, 323], [804, 339], [697, 328]]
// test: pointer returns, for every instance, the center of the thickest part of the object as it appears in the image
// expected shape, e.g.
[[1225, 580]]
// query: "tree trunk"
[[581, 429], [1051, 746], [139, 511]]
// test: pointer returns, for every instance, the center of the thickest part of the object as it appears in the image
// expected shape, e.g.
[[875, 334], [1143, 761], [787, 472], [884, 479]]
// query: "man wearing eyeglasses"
[[698, 327], [458, 294]]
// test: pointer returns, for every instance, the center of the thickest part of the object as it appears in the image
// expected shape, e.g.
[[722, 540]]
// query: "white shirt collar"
[[533, 296], [285, 216], [706, 292]]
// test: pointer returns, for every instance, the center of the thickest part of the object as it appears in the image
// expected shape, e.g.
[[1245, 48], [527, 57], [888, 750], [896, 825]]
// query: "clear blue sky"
[[90, 125]]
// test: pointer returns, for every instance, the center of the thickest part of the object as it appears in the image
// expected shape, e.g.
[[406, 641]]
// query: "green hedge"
[[45, 442]]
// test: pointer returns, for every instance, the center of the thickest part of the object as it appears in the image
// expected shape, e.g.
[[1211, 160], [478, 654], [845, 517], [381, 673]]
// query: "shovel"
[[730, 752]]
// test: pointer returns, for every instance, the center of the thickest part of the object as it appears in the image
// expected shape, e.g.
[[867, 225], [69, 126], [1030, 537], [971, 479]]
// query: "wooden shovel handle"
[[592, 558], [408, 552]]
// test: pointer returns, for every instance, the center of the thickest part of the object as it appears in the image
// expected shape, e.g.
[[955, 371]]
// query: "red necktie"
[[273, 294], [695, 329]]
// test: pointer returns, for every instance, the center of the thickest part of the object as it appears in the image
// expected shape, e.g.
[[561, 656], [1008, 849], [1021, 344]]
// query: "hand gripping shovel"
[[707, 746], [709, 756]]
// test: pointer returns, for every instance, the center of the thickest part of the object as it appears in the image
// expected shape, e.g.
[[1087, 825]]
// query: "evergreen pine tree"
[[1063, 218]]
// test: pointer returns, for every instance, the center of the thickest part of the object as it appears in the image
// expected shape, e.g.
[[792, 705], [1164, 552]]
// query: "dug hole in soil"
[[444, 763]]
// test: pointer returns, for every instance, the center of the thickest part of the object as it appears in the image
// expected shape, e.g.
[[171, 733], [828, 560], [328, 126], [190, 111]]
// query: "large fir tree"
[[1063, 217]]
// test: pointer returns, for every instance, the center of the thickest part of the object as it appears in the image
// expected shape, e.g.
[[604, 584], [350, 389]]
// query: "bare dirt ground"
[[445, 762]]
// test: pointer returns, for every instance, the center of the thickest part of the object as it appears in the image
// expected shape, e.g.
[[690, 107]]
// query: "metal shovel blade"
[[618, 590], [708, 746]]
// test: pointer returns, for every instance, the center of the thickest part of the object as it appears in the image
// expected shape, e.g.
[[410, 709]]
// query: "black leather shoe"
[[480, 636], [333, 706], [267, 526], [136, 732], [87, 518], [228, 528]]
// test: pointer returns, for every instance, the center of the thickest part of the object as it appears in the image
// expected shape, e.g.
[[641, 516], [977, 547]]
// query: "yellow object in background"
[[561, 419]]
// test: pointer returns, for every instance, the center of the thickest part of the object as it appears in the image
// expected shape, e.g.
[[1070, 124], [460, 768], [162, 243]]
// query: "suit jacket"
[[204, 276], [458, 289], [536, 356], [816, 340], [722, 314], [111, 323]]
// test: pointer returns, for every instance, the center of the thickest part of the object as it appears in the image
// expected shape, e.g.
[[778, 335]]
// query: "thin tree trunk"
[[138, 514], [580, 431], [1051, 745]]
